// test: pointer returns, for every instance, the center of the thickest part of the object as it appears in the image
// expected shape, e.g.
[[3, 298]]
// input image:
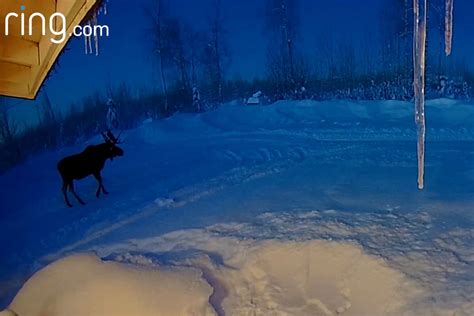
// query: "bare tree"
[[326, 49], [194, 41], [158, 19], [48, 116], [396, 29], [216, 52], [8, 128], [368, 56], [282, 19], [11, 152], [177, 48], [347, 61], [437, 13], [277, 72]]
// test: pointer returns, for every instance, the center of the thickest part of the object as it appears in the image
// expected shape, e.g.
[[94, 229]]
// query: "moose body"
[[90, 161]]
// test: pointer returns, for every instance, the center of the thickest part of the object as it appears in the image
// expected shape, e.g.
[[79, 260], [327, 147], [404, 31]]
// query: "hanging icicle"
[[105, 7], [96, 38], [92, 22], [89, 41], [449, 26], [86, 38], [419, 61]]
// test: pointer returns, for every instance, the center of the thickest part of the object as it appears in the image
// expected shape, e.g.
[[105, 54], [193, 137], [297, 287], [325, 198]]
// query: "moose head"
[[111, 144]]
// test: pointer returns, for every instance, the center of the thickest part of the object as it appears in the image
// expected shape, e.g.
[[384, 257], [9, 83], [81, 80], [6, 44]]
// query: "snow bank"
[[312, 278], [259, 278], [82, 285], [312, 115]]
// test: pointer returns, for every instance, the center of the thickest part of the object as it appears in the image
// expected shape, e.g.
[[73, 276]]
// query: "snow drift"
[[312, 278], [82, 285], [259, 278]]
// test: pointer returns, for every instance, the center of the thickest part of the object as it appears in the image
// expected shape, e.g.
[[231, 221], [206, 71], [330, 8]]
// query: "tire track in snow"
[[178, 199], [187, 195], [233, 156]]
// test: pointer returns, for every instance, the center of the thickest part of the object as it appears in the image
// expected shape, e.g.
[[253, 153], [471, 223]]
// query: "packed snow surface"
[[297, 208]]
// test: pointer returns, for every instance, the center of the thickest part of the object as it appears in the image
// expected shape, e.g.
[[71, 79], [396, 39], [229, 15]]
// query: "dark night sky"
[[125, 56]]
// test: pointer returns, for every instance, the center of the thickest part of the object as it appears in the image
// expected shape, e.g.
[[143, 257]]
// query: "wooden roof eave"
[[25, 61]]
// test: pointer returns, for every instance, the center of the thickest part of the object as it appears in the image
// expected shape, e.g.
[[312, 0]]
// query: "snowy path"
[[263, 173]]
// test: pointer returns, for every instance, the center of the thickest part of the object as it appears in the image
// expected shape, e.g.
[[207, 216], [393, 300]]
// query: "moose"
[[90, 161]]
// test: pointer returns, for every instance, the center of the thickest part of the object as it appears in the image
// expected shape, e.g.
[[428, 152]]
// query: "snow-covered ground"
[[297, 208]]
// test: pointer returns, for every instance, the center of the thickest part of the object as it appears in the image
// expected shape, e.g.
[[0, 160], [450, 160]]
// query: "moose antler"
[[104, 136], [118, 137], [109, 136]]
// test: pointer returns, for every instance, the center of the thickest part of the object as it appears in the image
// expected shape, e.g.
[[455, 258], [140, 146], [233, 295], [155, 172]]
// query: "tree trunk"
[[163, 82], [159, 34], [289, 42]]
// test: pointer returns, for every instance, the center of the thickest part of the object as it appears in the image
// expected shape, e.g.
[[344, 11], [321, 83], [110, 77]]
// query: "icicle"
[[88, 45], [92, 23], [449, 26], [96, 40], [96, 37], [85, 44], [90, 38], [105, 7], [419, 61]]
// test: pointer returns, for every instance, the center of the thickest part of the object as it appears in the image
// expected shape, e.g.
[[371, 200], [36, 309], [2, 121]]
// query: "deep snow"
[[301, 170]]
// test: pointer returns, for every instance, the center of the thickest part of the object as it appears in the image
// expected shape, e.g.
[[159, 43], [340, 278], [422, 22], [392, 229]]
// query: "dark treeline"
[[192, 68]]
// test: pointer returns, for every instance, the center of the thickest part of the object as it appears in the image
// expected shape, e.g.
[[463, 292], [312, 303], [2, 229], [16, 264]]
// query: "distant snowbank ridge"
[[440, 112], [446, 119]]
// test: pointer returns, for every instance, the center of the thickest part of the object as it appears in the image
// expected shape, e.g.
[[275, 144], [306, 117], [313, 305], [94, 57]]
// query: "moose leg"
[[98, 177], [64, 189], [71, 188]]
